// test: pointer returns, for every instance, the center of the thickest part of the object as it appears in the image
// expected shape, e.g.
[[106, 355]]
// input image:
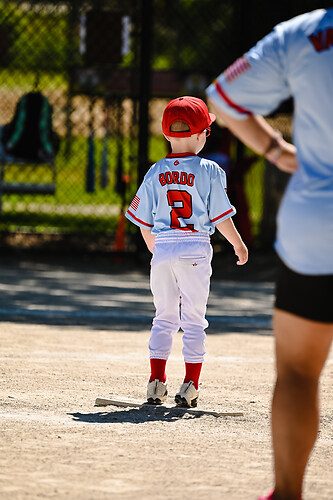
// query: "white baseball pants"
[[180, 267]]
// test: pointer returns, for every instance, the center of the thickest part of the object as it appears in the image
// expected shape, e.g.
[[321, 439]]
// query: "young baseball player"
[[180, 202]]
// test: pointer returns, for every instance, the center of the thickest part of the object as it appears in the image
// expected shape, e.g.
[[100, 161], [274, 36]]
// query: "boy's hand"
[[149, 238], [227, 228], [242, 254]]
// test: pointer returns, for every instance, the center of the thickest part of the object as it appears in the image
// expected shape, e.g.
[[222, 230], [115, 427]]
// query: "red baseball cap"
[[190, 110]]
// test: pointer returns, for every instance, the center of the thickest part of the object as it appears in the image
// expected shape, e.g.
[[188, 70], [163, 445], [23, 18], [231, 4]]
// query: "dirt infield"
[[56, 444]]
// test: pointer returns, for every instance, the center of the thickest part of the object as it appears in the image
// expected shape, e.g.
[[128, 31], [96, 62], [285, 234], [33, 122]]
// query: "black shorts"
[[310, 297]]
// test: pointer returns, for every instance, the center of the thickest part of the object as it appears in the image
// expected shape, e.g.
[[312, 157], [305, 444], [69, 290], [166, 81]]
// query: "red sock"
[[157, 369], [192, 372]]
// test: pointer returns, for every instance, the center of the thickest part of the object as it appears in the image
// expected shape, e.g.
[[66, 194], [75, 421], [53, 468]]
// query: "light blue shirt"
[[296, 60], [183, 192]]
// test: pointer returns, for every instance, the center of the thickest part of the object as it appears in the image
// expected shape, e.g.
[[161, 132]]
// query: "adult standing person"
[[295, 59]]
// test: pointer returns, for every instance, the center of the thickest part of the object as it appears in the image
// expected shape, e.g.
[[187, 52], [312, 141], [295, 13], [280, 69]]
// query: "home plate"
[[134, 404]]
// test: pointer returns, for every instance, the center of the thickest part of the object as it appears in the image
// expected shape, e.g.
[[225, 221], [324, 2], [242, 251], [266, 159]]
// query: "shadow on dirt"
[[104, 297], [135, 415]]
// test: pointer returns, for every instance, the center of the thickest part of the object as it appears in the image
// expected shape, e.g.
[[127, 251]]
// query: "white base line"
[[133, 404]]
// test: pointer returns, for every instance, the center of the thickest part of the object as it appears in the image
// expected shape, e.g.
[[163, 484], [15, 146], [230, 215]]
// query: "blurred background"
[[83, 85]]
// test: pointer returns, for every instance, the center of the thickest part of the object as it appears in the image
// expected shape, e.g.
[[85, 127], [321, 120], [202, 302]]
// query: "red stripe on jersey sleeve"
[[230, 102], [139, 220], [222, 215]]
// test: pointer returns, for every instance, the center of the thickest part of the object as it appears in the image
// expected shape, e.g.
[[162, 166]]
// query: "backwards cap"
[[192, 111]]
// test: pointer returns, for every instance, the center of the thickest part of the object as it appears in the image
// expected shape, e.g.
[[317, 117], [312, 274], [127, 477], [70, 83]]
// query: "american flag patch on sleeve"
[[135, 203], [236, 69]]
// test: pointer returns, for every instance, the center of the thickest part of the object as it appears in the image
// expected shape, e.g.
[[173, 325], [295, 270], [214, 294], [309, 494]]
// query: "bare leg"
[[302, 347]]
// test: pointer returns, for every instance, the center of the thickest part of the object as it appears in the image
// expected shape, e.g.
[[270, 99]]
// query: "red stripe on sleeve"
[[230, 102], [222, 215], [139, 220]]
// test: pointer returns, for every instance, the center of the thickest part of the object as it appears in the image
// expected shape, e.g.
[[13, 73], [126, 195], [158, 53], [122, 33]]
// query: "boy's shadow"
[[135, 415]]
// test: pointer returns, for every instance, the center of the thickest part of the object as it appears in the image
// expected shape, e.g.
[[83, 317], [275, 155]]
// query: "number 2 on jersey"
[[181, 203]]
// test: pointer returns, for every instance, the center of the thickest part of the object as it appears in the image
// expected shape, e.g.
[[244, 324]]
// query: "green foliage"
[[35, 38], [195, 36]]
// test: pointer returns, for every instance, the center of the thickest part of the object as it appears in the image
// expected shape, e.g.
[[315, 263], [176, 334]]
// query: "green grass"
[[71, 172], [71, 175], [157, 148], [71, 188], [54, 223], [254, 189]]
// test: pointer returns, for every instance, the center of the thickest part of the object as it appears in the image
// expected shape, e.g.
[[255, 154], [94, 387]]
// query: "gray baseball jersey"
[[184, 192], [296, 59]]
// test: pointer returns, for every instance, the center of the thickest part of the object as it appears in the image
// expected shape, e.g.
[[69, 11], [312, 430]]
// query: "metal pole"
[[145, 85], [145, 73]]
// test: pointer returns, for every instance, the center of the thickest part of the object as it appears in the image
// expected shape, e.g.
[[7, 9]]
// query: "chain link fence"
[[82, 57], [107, 68]]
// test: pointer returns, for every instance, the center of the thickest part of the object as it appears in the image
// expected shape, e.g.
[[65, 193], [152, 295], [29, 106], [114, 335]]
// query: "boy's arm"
[[227, 228], [149, 238]]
